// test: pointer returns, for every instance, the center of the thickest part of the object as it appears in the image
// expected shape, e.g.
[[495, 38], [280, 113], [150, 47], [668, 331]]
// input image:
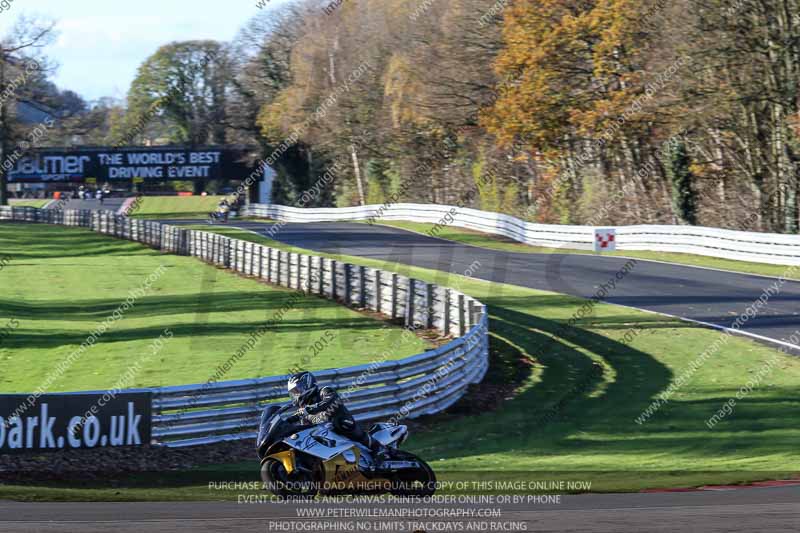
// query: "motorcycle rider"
[[320, 405]]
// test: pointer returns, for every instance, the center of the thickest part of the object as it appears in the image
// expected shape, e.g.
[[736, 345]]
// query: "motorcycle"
[[300, 460]]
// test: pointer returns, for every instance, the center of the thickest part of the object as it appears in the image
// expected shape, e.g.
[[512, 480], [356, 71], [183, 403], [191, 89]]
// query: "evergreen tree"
[[680, 175]]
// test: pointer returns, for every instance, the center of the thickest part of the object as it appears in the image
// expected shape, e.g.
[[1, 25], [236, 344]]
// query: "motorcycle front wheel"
[[295, 485], [419, 482]]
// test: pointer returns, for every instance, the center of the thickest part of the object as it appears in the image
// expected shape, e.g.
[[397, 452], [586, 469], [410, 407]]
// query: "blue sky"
[[101, 43]]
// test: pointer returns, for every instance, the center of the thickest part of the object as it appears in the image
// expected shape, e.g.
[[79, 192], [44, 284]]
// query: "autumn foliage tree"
[[563, 111]]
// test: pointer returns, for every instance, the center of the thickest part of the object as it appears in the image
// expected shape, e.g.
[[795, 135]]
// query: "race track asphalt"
[[108, 204], [704, 295], [775, 509]]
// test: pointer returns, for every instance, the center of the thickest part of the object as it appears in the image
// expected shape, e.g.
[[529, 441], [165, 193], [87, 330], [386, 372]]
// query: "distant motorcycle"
[[302, 460]]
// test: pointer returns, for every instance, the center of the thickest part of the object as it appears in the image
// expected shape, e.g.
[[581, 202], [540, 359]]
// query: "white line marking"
[[714, 326]]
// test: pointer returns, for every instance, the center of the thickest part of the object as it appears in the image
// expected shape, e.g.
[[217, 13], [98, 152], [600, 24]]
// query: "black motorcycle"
[[304, 460]]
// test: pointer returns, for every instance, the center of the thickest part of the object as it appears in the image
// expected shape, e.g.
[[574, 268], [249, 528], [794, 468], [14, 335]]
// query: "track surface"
[[108, 204], [759, 509], [705, 295]]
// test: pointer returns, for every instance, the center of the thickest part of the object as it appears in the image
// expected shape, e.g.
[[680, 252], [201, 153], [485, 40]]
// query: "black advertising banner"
[[150, 164], [68, 421]]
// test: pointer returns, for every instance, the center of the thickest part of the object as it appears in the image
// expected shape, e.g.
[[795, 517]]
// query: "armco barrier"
[[728, 244], [218, 411]]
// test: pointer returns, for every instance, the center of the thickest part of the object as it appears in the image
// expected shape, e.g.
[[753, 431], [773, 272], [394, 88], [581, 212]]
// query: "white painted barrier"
[[769, 248]]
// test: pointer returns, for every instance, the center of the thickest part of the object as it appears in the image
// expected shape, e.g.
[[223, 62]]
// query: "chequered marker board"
[[605, 240]]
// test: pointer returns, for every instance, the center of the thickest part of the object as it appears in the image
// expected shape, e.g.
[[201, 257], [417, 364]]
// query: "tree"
[[678, 165], [186, 85], [556, 110], [17, 51], [743, 95], [261, 57]]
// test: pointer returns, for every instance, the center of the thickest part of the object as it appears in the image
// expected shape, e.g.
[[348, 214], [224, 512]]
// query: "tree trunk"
[[3, 133], [357, 171], [332, 61], [791, 222]]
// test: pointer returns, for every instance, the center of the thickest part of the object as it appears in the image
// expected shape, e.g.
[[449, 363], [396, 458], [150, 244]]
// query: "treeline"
[[606, 111], [585, 111]]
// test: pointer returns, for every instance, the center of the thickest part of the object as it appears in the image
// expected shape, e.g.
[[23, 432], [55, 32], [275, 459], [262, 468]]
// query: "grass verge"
[[29, 203], [176, 207], [59, 284]]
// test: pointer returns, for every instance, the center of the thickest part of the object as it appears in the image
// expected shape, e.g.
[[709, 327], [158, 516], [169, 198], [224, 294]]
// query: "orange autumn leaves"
[[570, 69]]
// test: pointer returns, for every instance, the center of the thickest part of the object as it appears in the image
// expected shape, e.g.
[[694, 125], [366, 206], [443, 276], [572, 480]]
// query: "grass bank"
[[58, 285], [28, 203], [176, 207]]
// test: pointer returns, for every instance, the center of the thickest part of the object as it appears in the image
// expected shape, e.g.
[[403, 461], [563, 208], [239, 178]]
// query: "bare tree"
[[20, 49]]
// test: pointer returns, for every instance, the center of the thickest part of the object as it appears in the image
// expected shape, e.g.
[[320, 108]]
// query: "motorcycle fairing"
[[286, 457], [388, 434], [320, 441]]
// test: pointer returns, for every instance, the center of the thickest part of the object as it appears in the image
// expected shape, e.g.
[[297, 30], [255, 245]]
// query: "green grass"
[[494, 242], [594, 436], [176, 206], [59, 284], [29, 203]]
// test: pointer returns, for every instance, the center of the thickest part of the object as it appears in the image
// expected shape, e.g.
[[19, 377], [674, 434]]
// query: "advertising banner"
[[108, 165], [68, 421]]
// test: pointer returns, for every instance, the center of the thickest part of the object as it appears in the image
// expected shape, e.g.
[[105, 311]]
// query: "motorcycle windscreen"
[[264, 428]]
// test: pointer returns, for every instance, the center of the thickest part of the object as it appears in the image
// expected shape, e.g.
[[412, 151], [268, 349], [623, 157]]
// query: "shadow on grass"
[[570, 396], [43, 241], [53, 339], [149, 306], [579, 416]]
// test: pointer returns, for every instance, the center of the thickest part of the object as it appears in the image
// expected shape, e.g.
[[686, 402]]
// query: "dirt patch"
[[108, 464]]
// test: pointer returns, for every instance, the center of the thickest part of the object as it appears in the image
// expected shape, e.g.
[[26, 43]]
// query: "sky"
[[101, 43]]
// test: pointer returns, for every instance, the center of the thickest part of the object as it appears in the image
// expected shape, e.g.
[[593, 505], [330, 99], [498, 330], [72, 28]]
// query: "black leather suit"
[[327, 406]]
